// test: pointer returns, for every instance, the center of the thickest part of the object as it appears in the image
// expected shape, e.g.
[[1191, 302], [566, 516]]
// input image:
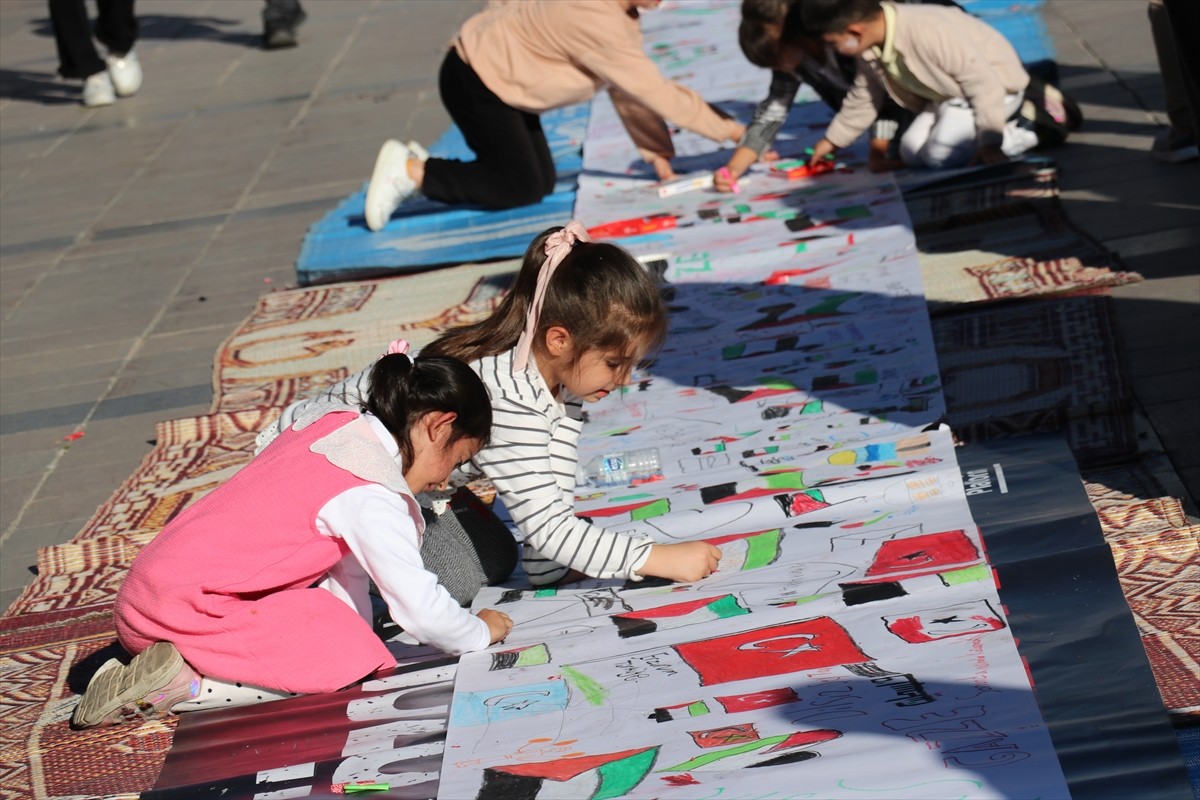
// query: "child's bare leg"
[[416, 171]]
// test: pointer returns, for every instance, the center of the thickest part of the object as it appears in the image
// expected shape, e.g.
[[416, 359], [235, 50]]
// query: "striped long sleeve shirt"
[[531, 461]]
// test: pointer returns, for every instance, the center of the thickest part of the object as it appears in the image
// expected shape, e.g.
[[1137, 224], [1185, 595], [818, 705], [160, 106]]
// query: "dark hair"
[[766, 26], [834, 16], [599, 293], [403, 390], [760, 30]]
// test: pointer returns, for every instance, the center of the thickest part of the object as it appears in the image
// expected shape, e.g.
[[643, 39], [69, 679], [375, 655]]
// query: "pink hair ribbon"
[[557, 246], [398, 346]]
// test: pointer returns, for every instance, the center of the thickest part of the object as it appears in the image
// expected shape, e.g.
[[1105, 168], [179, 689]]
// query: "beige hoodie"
[[950, 52], [536, 55]]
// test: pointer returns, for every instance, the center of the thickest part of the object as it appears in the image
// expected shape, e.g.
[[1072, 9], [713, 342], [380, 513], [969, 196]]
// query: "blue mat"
[[425, 233], [1021, 23]]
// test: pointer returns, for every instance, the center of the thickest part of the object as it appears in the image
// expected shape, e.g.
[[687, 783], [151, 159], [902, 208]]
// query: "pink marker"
[[727, 175]]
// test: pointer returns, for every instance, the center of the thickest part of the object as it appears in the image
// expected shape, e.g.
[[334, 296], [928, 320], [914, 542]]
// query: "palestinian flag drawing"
[[770, 751], [521, 657], [696, 708], [585, 777], [733, 704], [677, 615], [746, 551]]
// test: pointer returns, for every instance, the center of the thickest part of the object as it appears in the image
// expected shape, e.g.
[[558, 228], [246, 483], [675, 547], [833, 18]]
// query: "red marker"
[[633, 227], [793, 169]]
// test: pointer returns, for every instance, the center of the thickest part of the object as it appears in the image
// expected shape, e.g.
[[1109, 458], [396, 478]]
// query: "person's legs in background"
[[513, 165], [886, 134], [116, 28], [77, 56], [1185, 21], [955, 127], [914, 138], [280, 19], [1178, 142]]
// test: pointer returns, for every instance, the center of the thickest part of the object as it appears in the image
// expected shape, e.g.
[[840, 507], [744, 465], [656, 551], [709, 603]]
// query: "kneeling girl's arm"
[[379, 528]]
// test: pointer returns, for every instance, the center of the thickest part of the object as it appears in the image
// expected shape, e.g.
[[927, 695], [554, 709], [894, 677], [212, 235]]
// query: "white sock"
[[216, 693]]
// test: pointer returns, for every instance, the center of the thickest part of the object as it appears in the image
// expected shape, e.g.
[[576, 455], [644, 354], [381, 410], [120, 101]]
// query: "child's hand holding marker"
[[728, 176], [499, 623], [823, 149], [725, 181], [795, 168]]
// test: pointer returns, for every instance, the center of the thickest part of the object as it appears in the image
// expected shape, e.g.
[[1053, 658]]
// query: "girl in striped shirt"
[[579, 317]]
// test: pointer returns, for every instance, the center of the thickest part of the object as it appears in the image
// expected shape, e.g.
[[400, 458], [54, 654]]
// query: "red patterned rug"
[[1157, 553], [59, 630]]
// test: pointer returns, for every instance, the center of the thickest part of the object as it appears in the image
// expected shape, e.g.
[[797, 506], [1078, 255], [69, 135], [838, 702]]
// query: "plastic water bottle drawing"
[[630, 468]]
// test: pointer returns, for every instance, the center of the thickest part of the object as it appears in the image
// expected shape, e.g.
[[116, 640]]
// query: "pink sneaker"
[[150, 686]]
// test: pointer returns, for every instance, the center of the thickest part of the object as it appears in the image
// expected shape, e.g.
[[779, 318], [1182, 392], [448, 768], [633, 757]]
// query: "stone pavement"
[[134, 238]]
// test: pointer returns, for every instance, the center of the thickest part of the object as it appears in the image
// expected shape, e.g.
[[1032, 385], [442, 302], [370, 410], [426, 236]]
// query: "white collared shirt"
[[377, 525]]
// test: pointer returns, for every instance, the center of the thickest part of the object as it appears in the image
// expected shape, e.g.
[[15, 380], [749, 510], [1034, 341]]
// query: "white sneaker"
[[98, 90], [126, 73], [416, 151], [390, 185], [1018, 138]]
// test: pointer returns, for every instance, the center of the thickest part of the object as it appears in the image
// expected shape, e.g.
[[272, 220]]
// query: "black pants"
[[1185, 16], [116, 28], [512, 165]]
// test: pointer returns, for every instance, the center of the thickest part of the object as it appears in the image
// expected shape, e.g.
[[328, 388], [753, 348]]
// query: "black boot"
[[281, 18]]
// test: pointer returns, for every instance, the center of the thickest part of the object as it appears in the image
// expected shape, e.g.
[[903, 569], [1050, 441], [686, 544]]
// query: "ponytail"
[[599, 293], [403, 390]]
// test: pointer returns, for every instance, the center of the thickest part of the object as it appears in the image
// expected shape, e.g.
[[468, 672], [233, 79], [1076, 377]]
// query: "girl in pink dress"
[[224, 607]]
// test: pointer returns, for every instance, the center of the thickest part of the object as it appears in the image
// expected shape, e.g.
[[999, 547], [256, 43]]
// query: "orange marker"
[[633, 227]]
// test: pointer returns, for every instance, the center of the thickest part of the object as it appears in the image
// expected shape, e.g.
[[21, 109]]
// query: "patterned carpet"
[[1000, 235], [1157, 553], [1008, 368], [59, 630], [1048, 365]]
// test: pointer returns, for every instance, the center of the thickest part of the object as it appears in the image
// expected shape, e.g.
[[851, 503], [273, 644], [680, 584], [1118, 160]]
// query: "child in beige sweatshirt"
[[513, 61], [961, 76]]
